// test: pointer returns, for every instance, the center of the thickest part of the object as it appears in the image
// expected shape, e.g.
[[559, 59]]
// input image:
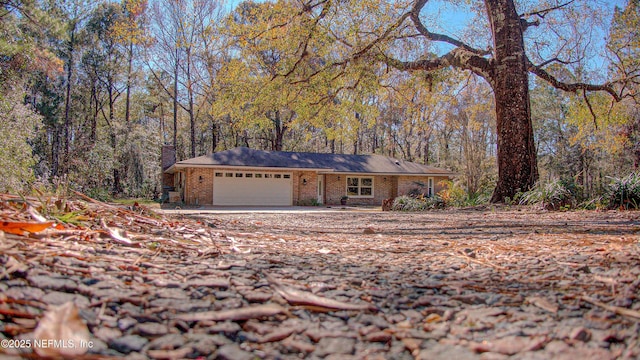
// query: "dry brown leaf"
[[117, 234], [510, 345], [4, 243], [19, 227], [433, 318], [36, 215], [244, 313], [616, 309], [299, 297], [61, 332], [412, 344], [279, 334], [235, 247], [180, 353], [228, 264], [543, 303], [12, 265]]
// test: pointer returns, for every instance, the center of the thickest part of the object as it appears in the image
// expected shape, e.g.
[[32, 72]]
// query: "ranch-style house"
[[249, 177]]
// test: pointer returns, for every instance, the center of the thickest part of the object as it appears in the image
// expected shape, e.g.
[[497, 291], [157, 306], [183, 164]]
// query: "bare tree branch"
[[571, 87], [555, 59], [593, 114], [414, 14], [527, 24], [542, 13]]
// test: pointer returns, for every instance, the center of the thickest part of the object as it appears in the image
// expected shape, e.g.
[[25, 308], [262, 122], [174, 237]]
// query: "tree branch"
[[571, 87], [18, 7], [593, 114], [305, 45], [463, 56], [555, 59], [459, 58], [387, 32], [542, 13], [414, 14], [527, 24]]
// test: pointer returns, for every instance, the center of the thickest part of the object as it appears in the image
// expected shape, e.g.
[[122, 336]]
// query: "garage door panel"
[[255, 190]]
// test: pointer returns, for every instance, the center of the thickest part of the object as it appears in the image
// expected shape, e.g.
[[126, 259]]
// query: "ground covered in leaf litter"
[[460, 284]]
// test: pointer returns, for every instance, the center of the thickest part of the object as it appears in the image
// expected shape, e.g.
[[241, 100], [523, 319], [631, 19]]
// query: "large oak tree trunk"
[[517, 165]]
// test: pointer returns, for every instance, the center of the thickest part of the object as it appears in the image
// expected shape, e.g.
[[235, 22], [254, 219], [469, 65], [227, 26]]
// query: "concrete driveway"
[[266, 209]]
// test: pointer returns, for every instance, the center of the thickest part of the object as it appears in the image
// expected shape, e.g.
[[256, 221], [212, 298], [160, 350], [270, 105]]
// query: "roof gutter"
[[324, 171], [176, 167], [450, 175]]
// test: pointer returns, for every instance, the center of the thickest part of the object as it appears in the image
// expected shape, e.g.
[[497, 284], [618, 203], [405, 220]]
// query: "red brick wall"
[[305, 194], [196, 192]]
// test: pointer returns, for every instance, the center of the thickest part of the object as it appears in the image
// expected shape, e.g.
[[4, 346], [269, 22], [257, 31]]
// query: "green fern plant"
[[625, 192], [550, 196]]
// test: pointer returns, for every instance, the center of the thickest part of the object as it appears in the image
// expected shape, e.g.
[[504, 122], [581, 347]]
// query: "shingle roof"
[[339, 163]]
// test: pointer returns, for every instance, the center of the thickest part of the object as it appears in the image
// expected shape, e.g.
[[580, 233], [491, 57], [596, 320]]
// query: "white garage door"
[[252, 188]]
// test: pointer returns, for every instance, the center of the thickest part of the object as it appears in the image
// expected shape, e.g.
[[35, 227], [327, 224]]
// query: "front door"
[[320, 189]]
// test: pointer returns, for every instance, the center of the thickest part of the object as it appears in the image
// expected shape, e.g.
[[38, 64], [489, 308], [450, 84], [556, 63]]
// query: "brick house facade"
[[244, 176]]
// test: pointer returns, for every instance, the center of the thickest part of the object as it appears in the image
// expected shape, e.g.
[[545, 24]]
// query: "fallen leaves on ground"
[[299, 297], [19, 227], [459, 284], [244, 313], [62, 332]]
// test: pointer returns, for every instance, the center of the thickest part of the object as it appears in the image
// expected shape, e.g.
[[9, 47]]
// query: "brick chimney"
[[168, 158]]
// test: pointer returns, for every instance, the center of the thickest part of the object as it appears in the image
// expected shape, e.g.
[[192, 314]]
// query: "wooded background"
[[91, 90]]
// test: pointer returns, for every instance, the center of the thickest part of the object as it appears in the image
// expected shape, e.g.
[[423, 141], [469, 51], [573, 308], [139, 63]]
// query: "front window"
[[360, 187]]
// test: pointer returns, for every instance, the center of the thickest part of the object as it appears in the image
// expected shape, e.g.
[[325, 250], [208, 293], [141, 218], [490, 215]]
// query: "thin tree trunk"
[[214, 136], [67, 102], [175, 100], [427, 148], [94, 119], [127, 109], [192, 118], [55, 150], [279, 129], [634, 130], [114, 144]]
